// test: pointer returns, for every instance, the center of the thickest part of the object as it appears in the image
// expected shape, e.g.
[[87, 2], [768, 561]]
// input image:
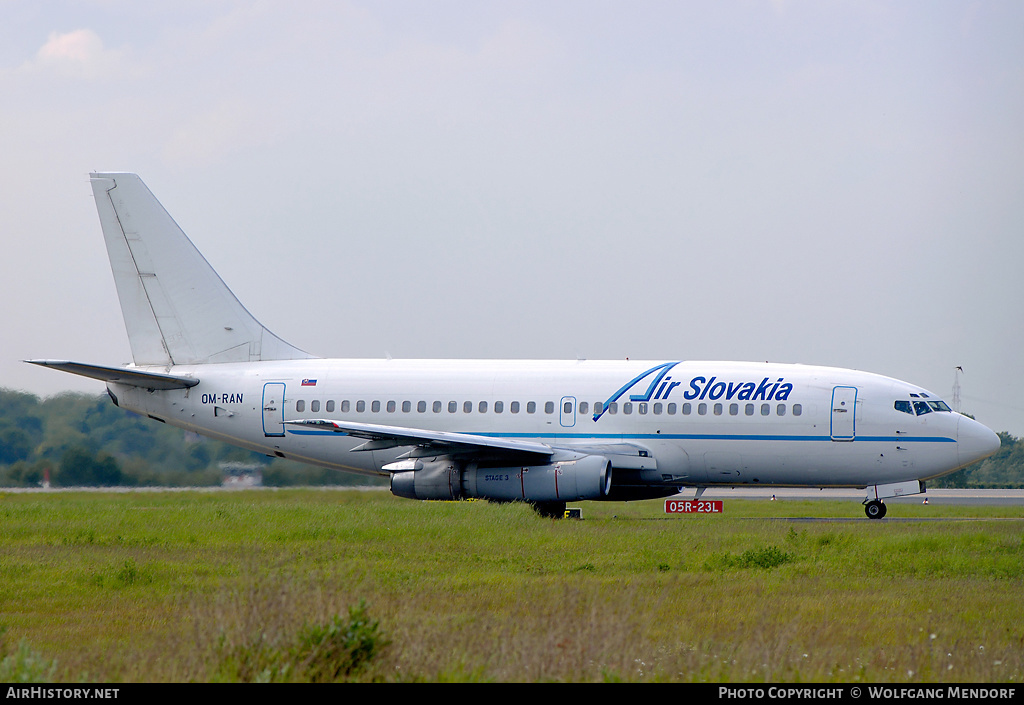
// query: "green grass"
[[302, 584]]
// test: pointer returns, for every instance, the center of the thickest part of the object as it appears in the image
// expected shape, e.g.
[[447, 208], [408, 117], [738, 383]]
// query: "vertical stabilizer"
[[176, 308]]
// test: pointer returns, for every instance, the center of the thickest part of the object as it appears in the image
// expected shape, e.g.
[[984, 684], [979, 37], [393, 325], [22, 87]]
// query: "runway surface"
[[998, 497]]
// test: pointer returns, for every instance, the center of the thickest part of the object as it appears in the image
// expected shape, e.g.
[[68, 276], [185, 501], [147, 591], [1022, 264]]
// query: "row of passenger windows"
[[515, 407]]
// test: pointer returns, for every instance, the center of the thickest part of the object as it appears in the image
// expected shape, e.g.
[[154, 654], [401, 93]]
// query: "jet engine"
[[581, 477]]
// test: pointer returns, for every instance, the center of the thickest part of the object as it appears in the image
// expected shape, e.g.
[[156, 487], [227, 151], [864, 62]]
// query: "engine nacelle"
[[438, 479], [581, 477], [584, 477]]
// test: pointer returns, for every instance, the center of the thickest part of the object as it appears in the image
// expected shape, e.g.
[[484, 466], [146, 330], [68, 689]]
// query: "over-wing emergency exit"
[[544, 432]]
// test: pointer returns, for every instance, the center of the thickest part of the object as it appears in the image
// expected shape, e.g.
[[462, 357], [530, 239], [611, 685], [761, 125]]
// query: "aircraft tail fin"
[[176, 308]]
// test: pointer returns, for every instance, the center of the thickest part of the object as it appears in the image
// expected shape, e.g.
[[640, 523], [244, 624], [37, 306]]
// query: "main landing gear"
[[875, 509], [550, 510]]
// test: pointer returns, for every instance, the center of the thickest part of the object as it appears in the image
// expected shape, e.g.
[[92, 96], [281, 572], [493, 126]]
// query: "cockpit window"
[[904, 406], [920, 407]]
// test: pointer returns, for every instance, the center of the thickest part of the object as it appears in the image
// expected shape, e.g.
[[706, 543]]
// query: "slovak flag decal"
[[309, 383]]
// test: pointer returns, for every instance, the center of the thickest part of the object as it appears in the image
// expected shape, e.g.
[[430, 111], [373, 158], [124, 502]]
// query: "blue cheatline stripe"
[[722, 437], [675, 437], [911, 439]]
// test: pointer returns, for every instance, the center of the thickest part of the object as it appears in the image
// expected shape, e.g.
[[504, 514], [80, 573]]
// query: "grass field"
[[335, 585]]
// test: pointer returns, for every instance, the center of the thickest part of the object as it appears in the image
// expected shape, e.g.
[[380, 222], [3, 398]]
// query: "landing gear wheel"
[[874, 509], [550, 510]]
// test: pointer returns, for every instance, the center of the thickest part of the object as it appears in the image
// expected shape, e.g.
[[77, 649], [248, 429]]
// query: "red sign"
[[693, 506]]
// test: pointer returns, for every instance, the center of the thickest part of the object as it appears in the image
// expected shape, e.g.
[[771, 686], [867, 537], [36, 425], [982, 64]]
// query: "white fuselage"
[[544, 432], [705, 423]]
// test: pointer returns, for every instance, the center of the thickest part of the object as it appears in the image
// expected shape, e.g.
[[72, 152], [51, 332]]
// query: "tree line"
[[76, 440]]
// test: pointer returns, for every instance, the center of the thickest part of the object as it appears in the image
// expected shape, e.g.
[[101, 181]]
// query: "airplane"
[[545, 432]]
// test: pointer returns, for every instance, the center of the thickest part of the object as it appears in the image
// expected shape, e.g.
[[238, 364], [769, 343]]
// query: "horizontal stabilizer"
[[120, 375]]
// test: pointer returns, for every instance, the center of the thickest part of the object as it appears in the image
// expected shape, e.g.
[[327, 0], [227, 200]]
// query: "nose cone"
[[974, 441]]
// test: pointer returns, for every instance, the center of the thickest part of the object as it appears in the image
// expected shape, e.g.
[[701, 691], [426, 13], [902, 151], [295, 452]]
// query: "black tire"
[[874, 509]]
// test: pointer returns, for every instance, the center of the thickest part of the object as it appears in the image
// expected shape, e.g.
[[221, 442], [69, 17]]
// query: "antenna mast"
[[956, 388]]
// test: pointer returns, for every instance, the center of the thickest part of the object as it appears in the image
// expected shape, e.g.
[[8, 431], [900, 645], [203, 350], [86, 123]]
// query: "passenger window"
[[549, 407], [531, 407], [406, 406], [375, 406], [437, 407], [671, 408], [391, 407], [514, 407], [642, 407], [598, 407], [627, 407], [922, 408], [766, 409], [658, 408], [482, 407], [748, 409], [904, 406], [314, 405], [584, 406], [734, 410], [330, 406], [300, 406], [360, 406], [686, 409], [613, 408], [467, 407], [453, 406], [702, 409], [781, 409], [567, 407], [798, 409], [421, 406], [345, 406], [718, 409], [499, 407]]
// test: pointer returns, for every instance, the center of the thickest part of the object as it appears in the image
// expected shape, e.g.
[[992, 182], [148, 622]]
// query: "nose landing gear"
[[873, 505]]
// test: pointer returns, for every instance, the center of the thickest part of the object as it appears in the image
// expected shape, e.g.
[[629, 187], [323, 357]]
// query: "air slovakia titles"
[[701, 388], [767, 390]]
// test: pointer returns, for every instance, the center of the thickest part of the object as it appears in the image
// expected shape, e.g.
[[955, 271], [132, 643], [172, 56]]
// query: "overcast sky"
[[837, 183]]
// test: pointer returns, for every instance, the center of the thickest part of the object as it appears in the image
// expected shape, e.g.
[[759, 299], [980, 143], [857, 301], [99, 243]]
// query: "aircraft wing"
[[624, 456], [424, 442]]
